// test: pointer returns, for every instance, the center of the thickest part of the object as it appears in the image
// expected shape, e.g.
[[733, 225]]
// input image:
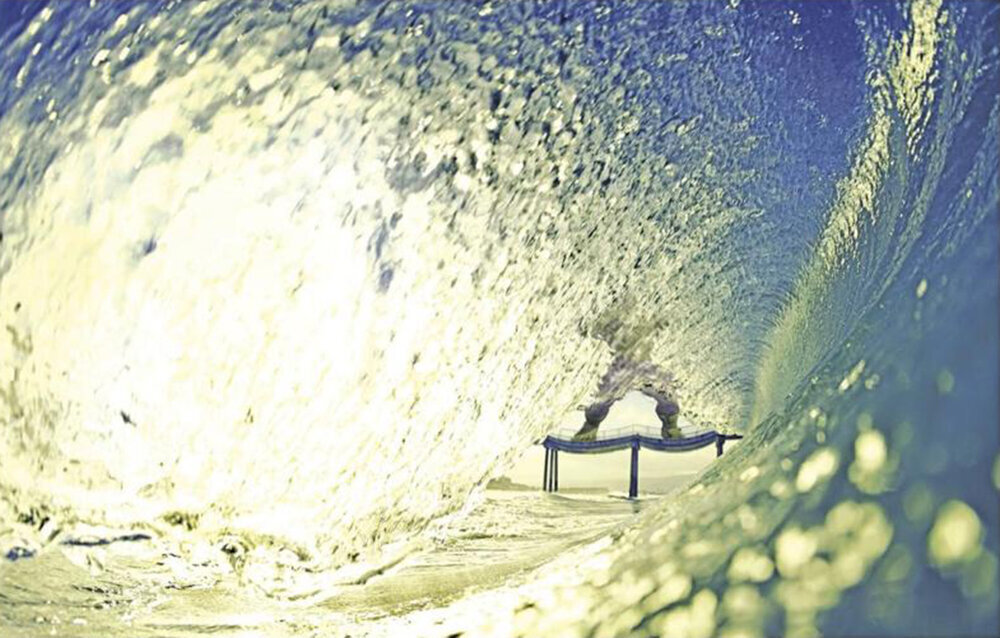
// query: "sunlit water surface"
[[283, 285]]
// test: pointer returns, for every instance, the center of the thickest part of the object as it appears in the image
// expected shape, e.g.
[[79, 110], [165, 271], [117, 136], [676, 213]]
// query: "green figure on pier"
[[623, 376]]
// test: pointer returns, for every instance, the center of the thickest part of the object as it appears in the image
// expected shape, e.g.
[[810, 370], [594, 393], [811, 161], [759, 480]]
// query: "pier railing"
[[632, 437]]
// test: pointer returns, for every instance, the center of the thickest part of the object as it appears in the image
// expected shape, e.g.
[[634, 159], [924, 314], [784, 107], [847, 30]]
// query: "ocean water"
[[283, 285], [496, 548]]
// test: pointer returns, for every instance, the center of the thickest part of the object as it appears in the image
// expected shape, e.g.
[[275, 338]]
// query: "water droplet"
[[979, 578], [870, 450], [100, 58], [818, 467], [945, 381], [750, 564], [792, 551], [852, 376], [897, 565], [956, 535], [780, 489]]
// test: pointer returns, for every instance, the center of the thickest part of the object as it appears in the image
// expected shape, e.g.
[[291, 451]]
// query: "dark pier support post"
[[720, 441], [633, 482], [545, 472], [550, 477], [555, 470]]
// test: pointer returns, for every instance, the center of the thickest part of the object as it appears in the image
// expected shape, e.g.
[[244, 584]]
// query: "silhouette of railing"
[[631, 437]]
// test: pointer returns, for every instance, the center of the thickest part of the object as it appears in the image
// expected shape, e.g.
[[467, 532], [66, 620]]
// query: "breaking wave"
[[281, 285]]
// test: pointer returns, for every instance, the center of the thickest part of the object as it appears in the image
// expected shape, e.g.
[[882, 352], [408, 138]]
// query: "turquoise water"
[[285, 285]]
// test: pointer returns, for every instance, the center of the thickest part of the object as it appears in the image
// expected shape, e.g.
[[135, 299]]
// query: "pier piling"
[[545, 471], [555, 471], [633, 480]]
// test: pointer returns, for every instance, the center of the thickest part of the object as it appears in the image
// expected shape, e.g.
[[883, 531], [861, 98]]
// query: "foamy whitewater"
[[282, 285]]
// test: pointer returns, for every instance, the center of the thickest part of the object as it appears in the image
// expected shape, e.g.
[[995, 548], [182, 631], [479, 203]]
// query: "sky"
[[611, 470]]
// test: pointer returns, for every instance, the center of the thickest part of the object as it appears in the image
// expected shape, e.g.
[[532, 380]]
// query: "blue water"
[[791, 206]]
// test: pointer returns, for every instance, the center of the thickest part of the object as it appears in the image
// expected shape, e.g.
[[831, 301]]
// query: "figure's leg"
[[670, 429], [592, 418], [667, 412]]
